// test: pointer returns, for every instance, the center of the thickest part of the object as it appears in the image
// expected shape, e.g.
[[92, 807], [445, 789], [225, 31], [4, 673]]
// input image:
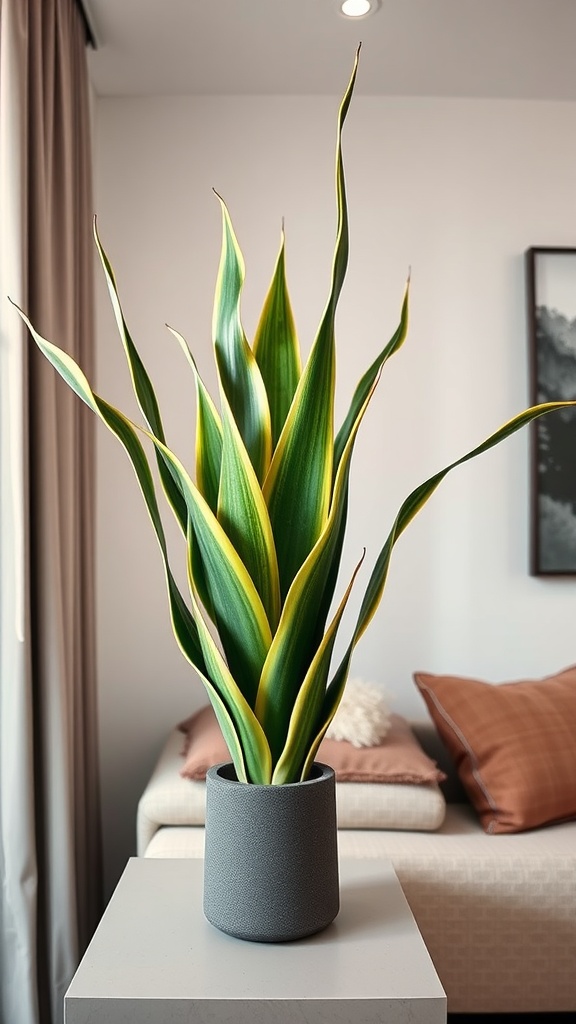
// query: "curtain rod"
[[90, 34]]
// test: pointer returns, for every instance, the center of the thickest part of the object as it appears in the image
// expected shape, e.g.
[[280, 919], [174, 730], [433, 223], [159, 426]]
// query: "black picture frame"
[[551, 294]]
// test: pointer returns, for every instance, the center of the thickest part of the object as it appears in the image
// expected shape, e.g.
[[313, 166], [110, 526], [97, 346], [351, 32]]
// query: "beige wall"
[[456, 190]]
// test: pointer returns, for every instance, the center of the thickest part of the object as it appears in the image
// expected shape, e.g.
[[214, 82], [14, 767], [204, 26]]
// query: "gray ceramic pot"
[[271, 856]]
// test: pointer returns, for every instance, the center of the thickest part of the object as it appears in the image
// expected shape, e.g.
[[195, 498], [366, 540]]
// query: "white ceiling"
[[485, 48]]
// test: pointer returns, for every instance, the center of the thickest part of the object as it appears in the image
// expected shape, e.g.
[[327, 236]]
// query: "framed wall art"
[[551, 292]]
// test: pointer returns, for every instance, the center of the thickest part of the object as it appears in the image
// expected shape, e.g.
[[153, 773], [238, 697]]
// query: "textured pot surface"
[[271, 856]]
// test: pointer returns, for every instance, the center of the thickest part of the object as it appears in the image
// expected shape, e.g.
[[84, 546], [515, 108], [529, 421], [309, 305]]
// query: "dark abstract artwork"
[[551, 288]]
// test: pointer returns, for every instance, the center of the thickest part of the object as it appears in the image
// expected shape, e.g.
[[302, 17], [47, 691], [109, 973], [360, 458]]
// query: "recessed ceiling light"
[[358, 8]]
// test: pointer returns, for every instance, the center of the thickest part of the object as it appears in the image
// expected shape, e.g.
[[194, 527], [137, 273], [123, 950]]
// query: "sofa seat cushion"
[[497, 913]]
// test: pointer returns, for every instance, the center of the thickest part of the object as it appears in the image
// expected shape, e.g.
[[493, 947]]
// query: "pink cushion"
[[397, 758]]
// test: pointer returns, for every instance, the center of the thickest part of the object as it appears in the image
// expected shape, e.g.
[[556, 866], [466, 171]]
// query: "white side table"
[[154, 959]]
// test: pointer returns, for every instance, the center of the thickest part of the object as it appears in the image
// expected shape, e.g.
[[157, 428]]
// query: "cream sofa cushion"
[[171, 799]]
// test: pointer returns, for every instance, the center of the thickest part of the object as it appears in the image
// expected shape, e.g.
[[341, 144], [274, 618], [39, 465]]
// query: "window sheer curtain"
[[50, 843]]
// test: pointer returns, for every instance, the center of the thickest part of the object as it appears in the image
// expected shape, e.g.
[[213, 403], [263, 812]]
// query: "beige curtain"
[[50, 844]]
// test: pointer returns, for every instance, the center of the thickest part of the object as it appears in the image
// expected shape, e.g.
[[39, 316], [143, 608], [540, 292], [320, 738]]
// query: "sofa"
[[497, 911]]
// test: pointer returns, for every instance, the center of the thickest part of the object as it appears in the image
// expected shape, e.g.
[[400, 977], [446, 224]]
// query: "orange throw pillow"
[[513, 744]]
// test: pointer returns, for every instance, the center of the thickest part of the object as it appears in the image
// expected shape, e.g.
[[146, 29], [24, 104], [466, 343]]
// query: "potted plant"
[[264, 521]]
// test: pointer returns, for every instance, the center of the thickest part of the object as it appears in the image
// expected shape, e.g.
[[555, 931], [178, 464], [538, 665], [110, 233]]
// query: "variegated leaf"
[[299, 483], [143, 388], [208, 433], [241, 620], [208, 462], [364, 385], [243, 514], [300, 630], [241, 729], [276, 347], [239, 372], [183, 623], [292, 765]]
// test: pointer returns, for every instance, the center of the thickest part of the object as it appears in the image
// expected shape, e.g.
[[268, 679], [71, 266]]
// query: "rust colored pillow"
[[398, 758], [513, 744]]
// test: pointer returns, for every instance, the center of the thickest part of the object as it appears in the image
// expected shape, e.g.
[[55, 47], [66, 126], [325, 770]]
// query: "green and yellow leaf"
[[300, 628], [142, 386], [292, 764], [242, 622], [208, 433], [276, 347], [239, 373], [299, 483], [366, 382], [241, 729], [183, 623], [208, 460], [243, 514], [420, 495], [362, 390]]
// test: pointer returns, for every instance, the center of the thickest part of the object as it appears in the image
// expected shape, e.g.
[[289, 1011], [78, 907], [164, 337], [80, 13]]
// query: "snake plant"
[[263, 513]]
